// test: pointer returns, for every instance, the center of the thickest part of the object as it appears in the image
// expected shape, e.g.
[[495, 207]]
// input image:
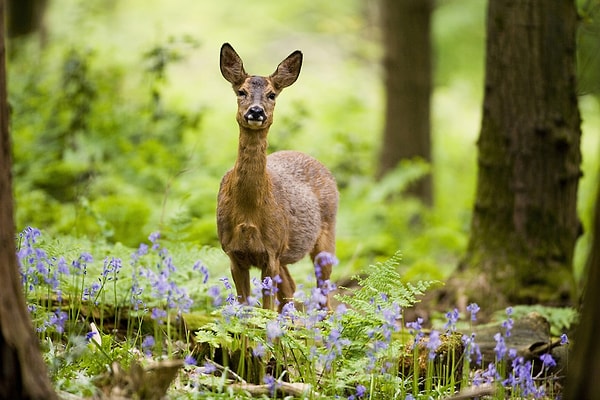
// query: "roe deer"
[[272, 210]]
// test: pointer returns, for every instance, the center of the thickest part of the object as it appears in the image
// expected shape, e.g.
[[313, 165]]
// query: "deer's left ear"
[[287, 71]]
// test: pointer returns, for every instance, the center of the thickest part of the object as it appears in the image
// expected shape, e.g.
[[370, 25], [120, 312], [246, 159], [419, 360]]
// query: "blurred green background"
[[122, 124]]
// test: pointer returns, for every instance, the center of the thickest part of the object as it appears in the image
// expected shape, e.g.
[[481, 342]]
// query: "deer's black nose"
[[256, 114]]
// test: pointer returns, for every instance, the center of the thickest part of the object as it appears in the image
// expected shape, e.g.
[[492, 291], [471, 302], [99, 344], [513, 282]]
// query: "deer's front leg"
[[270, 286], [241, 279], [287, 287]]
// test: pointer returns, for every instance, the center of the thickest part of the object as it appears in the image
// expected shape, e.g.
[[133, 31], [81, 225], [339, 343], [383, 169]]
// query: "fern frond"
[[383, 287]]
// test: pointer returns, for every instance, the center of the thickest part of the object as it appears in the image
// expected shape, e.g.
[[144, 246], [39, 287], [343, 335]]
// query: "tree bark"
[[407, 69], [525, 223], [584, 366], [23, 373]]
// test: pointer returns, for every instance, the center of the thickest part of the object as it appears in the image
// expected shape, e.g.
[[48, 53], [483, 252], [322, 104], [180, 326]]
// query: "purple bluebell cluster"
[[42, 275], [520, 379], [163, 285], [153, 284]]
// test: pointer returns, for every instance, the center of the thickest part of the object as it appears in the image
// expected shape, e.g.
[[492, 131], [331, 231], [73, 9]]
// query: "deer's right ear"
[[231, 64]]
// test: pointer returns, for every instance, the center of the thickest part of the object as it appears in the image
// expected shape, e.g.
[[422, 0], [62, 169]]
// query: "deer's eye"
[[271, 96], [242, 93]]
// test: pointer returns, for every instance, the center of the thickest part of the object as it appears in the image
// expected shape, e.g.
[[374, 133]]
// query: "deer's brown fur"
[[272, 210]]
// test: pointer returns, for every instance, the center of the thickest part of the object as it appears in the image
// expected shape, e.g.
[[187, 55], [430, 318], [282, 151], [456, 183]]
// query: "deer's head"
[[257, 94]]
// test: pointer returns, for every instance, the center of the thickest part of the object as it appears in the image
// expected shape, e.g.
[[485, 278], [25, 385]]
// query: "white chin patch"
[[255, 122]]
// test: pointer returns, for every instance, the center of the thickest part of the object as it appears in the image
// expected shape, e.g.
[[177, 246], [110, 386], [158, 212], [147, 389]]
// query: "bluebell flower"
[[215, 292], [335, 341], [41, 266], [158, 314], [52, 280], [380, 345], [147, 345], [386, 367], [323, 259], [392, 314], [169, 264], [520, 379], [341, 309], [452, 317], [434, 343], [258, 350], [226, 283], [317, 299], [59, 295], [90, 293], [548, 360], [473, 308], [271, 383], [142, 250], [251, 300], [414, 328], [327, 287], [516, 361], [81, 263], [58, 319], [269, 286], [154, 240], [209, 368], [289, 310], [508, 323], [62, 267], [93, 336], [564, 339], [490, 374], [231, 299], [136, 293], [112, 267], [30, 234], [500, 347], [360, 391], [189, 360], [472, 348], [273, 330], [199, 266]]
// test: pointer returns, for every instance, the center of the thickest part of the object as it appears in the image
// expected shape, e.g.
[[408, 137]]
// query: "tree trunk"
[[584, 366], [407, 68], [25, 16], [525, 224], [22, 370]]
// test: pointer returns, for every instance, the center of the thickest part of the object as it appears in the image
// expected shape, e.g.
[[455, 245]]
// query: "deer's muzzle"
[[255, 115]]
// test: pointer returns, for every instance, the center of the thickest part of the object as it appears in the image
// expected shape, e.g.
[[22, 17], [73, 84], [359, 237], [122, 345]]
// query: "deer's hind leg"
[[323, 263]]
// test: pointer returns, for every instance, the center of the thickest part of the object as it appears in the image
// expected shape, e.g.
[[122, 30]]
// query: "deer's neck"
[[252, 181]]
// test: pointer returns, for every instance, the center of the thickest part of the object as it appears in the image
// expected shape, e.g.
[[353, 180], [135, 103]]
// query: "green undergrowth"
[[103, 311]]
